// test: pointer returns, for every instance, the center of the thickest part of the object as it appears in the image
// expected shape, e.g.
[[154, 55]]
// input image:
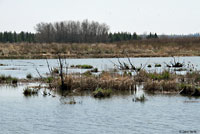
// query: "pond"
[[115, 115], [20, 68], [52, 114]]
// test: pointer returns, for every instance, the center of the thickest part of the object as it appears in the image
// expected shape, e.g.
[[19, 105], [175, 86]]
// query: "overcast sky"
[[161, 16]]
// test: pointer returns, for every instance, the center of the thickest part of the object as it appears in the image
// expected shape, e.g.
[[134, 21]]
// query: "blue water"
[[160, 114]]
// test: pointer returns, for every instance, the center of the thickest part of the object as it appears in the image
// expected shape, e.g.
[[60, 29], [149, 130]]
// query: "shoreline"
[[90, 56]]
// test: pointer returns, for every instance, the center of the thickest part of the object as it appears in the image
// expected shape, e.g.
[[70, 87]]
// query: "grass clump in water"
[[95, 70], [101, 93], [8, 79], [29, 92], [29, 76], [157, 65], [160, 76], [84, 66], [149, 66]]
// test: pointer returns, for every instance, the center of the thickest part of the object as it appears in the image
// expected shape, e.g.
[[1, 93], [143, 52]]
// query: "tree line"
[[13, 37], [123, 36], [71, 32]]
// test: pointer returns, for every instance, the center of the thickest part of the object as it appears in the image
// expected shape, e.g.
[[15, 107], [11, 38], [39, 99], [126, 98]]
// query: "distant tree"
[[152, 36], [1, 37], [22, 36], [155, 36], [15, 37], [5, 37], [10, 37], [72, 31], [135, 37]]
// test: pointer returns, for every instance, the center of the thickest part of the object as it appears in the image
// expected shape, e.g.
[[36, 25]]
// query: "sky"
[[140, 16]]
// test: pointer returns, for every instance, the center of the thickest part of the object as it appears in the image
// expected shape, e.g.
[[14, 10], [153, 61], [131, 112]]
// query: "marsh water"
[[115, 115], [20, 68]]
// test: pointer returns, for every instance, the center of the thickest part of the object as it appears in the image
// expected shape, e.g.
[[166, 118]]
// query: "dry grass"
[[91, 83], [141, 48], [161, 86]]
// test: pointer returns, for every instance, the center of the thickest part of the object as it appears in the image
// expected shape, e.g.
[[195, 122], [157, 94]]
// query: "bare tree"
[[72, 31]]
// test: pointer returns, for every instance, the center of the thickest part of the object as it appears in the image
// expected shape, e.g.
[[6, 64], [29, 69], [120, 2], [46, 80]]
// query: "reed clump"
[[91, 82], [163, 86], [85, 66]]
